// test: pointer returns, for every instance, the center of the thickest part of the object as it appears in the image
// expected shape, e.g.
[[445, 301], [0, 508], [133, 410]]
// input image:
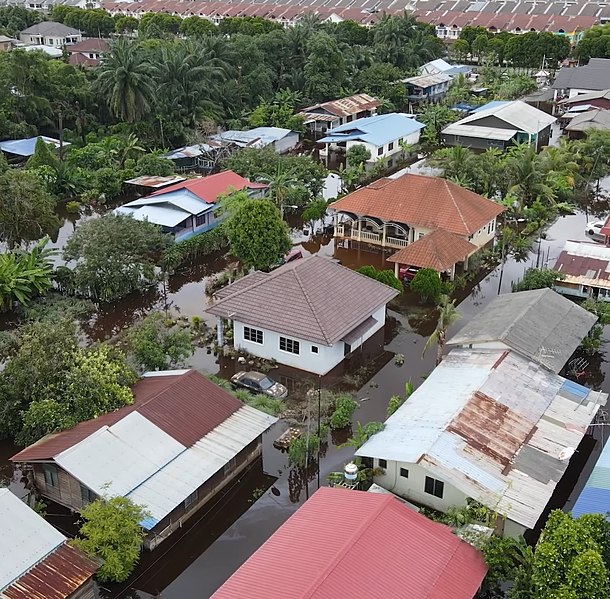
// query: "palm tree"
[[125, 81], [280, 183], [528, 176], [447, 315]]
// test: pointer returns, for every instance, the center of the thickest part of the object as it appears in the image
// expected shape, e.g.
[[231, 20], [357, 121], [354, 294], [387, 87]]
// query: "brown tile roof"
[[186, 406], [313, 298], [439, 250], [57, 576], [429, 202], [94, 44]]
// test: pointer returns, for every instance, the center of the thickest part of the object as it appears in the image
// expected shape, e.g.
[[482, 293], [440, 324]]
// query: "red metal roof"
[[209, 188], [186, 406], [57, 576], [360, 545]]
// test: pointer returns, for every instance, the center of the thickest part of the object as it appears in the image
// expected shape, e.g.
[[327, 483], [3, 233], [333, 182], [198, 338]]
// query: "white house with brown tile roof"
[[395, 213], [309, 314]]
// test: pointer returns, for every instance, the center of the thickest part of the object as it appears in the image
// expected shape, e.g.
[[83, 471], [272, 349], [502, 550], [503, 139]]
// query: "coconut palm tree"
[[447, 315], [528, 176], [125, 81], [281, 183]]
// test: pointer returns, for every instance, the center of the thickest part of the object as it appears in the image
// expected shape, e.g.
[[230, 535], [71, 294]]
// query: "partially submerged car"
[[257, 382]]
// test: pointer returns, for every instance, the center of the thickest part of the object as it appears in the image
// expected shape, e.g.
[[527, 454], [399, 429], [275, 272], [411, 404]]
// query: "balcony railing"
[[374, 238]]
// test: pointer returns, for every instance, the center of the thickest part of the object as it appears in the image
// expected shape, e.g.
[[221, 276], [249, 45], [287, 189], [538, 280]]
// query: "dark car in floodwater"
[[257, 382]]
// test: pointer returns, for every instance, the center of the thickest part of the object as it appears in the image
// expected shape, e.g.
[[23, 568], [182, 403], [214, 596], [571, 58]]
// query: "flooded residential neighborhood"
[[304, 300]]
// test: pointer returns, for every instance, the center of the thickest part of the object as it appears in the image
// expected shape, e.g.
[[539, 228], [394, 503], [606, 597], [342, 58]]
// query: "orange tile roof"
[[439, 250], [429, 202]]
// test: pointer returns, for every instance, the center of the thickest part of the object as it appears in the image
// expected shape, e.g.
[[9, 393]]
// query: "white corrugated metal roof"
[[181, 199], [118, 458], [535, 414], [451, 385], [171, 485], [587, 250], [25, 540], [481, 132], [520, 115]]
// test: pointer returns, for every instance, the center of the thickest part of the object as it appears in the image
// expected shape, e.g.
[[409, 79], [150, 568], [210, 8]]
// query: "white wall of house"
[[484, 235], [387, 150], [312, 357], [50, 40], [480, 238], [413, 486], [577, 92]]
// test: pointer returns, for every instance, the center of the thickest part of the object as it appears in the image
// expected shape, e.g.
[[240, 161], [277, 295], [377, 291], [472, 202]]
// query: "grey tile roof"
[[50, 28], [313, 298], [593, 76], [540, 324]]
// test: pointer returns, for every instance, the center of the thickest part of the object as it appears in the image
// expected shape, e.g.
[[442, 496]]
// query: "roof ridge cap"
[[446, 564], [358, 532], [450, 191], [311, 306]]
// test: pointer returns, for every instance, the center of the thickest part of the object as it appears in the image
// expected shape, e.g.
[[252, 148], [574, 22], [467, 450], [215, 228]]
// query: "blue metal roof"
[[595, 497], [377, 130]]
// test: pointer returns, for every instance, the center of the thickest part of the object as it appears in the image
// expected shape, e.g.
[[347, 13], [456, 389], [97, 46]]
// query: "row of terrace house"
[[494, 422], [433, 222], [179, 444]]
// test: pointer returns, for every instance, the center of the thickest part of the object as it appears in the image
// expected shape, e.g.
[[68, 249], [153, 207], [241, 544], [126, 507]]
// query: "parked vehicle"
[[593, 230], [257, 382], [291, 256], [406, 274]]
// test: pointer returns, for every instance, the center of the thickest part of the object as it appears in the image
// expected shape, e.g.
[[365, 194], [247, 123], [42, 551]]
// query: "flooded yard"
[[211, 546]]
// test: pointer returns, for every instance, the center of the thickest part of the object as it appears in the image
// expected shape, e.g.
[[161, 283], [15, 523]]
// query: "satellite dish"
[[566, 453]]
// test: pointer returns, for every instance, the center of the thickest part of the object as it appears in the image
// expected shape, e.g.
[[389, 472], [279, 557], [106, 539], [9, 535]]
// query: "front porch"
[[375, 232]]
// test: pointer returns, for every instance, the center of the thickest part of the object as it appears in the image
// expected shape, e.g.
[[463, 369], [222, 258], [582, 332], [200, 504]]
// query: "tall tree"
[[27, 210], [124, 80], [257, 235], [114, 256], [447, 315]]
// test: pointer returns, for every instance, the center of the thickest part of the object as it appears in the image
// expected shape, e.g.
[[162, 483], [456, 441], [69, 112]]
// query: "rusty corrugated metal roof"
[[344, 106], [185, 406], [57, 576]]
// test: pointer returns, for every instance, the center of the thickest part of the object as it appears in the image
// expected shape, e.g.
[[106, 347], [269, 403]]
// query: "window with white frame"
[[315, 349], [290, 345], [254, 335]]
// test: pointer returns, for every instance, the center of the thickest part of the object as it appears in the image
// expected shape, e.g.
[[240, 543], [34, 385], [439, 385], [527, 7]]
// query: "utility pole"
[[60, 114], [319, 417]]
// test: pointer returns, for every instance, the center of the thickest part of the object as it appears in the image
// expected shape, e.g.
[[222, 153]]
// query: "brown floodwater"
[[209, 549]]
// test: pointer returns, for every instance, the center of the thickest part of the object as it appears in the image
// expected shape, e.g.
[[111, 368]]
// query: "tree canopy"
[[51, 383], [114, 255], [27, 210], [111, 532], [257, 235]]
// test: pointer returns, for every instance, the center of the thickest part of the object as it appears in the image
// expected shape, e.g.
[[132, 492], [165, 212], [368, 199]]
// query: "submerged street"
[[216, 541]]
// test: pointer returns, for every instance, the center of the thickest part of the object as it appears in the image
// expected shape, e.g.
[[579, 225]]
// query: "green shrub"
[[427, 285], [345, 407], [73, 207]]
